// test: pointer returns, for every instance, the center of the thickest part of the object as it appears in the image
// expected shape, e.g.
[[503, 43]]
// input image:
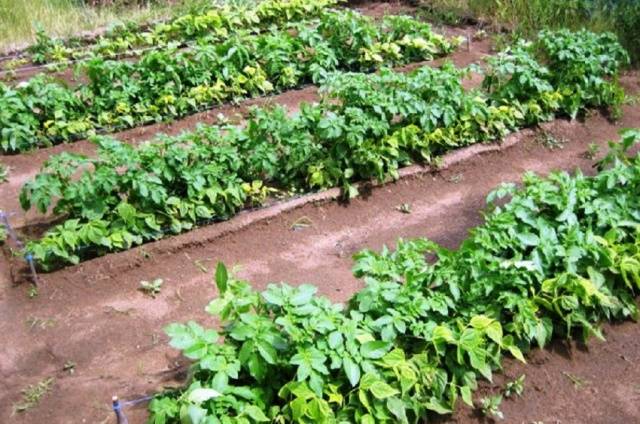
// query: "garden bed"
[[94, 315]]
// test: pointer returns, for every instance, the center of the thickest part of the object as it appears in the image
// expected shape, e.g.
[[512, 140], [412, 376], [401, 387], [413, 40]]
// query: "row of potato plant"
[[172, 83], [211, 24], [365, 127], [554, 257]]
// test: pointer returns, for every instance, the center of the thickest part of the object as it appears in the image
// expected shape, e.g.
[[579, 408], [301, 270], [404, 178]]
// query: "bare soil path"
[[94, 316]]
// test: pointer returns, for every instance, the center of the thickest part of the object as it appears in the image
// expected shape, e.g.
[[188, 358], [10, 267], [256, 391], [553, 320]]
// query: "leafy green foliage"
[[515, 387], [365, 127], [4, 173], [490, 406], [152, 288], [577, 53], [561, 255], [212, 23], [33, 394], [524, 18], [172, 82], [577, 69]]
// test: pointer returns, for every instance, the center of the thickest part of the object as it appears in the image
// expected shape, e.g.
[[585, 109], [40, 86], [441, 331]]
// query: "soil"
[[94, 317]]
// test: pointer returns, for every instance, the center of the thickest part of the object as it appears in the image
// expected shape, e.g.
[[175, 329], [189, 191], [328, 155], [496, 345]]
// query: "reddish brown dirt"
[[572, 383], [93, 314]]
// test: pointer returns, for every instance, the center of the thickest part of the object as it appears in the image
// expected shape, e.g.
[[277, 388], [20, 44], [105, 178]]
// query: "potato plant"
[[210, 23], [560, 256], [171, 82], [365, 127]]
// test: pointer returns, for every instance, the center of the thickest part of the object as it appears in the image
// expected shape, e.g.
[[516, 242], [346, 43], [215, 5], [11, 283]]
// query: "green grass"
[[4, 173], [63, 18], [32, 395], [526, 17]]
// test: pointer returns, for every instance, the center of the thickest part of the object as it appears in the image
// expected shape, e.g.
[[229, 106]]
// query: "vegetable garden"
[[170, 83], [419, 329], [561, 256]]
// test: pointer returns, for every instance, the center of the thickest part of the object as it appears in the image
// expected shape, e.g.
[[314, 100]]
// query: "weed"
[[66, 17], [449, 12], [32, 291], [456, 178], [404, 208], [480, 35], [140, 368], [578, 382], [592, 151], [10, 68], [551, 142], [490, 406], [4, 173], [515, 387], [632, 100], [40, 323], [32, 395], [151, 288], [69, 367]]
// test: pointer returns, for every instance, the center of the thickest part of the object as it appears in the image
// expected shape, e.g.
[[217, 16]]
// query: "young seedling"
[[32, 395], [515, 387], [456, 178], [490, 406], [32, 291], [577, 381], [41, 323], [632, 100], [151, 288], [4, 173], [480, 35], [592, 151], [257, 192], [10, 67], [551, 142], [69, 367]]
